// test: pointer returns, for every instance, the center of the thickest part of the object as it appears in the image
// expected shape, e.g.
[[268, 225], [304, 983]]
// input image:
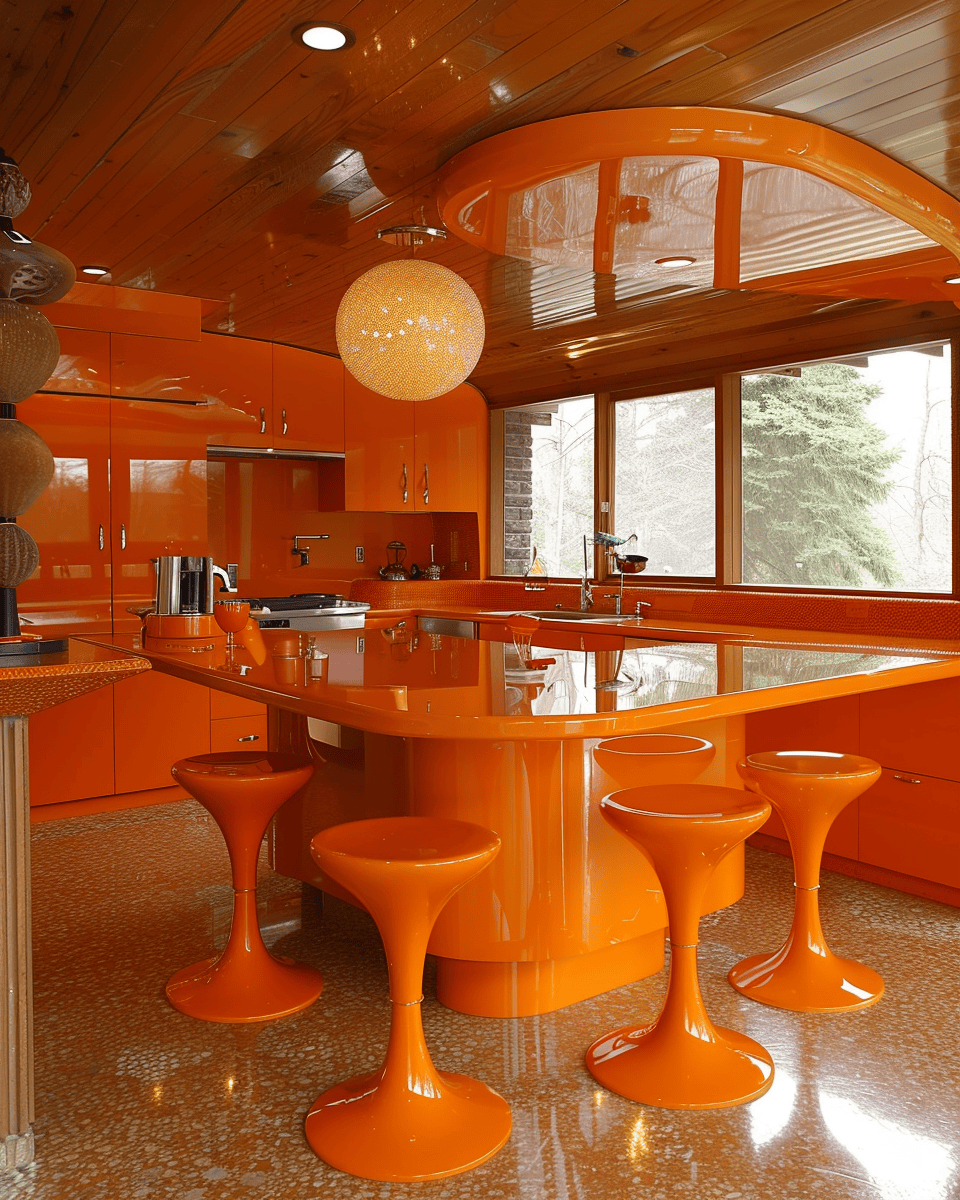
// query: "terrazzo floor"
[[135, 1100]]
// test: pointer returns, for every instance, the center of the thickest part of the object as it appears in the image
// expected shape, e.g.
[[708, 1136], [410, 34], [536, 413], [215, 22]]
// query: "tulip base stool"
[[241, 791], [808, 789], [407, 1120], [681, 1060]]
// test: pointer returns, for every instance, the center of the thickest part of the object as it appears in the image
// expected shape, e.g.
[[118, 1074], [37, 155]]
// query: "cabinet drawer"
[[238, 733], [911, 823], [223, 704], [913, 728]]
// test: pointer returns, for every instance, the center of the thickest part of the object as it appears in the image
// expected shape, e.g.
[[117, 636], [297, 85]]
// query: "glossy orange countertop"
[[27, 688], [400, 680]]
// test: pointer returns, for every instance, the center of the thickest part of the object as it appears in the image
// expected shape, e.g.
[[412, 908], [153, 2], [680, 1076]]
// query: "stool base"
[[651, 1064], [361, 1128], [215, 990], [802, 979]]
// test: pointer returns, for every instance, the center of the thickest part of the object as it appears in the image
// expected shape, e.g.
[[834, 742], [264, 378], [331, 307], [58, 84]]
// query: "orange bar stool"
[[406, 1121], [644, 759], [808, 789], [682, 1060], [242, 790]]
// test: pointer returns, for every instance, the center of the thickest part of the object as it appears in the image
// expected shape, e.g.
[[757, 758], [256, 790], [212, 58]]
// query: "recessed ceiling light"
[[91, 270], [678, 260], [324, 35], [952, 279]]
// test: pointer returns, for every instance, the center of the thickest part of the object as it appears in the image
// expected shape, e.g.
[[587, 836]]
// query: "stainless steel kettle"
[[396, 553], [186, 584]]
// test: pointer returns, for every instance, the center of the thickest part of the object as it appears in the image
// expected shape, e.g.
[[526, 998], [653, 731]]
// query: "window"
[[846, 472], [835, 473]]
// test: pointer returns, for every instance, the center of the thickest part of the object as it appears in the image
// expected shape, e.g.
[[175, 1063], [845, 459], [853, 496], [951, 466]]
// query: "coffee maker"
[[186, 590]]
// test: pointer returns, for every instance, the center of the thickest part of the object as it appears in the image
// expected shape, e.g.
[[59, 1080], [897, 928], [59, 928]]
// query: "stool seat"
[[681, 1060], [242, 790], [808, 789], [406, 1121], [645, 759]]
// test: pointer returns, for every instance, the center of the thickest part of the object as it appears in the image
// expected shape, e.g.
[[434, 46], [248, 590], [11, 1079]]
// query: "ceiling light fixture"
[[676, 260], [92, 270], [411, 235], [324, 35]]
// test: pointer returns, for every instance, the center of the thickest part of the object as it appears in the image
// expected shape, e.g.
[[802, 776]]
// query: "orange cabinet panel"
[[911, 824], [379, 447], [71, 750], [238, 733], [822, 725], [223, 704], [71, 520], [230, 376], [158, 495], [913, 728], [451, 445], [157, 720], [307, 400], [84, 366]]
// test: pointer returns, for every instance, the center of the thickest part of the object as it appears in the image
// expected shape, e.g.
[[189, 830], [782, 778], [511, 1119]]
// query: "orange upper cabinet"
[[231, 377], [450, 451], [84, 365], [415, 457], [307, 400]]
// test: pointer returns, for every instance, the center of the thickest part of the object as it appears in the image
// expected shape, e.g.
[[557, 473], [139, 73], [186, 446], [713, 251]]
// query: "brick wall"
[[518, 488]]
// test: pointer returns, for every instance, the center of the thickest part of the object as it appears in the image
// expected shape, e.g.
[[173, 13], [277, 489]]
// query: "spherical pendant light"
[[19, 555], [410, 330], [26, 467], [29, 350], [14, 189]]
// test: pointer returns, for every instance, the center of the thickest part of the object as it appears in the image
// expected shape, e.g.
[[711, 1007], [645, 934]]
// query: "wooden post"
[[16, 965]]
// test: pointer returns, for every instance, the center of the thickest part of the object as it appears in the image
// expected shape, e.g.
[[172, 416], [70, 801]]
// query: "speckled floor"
[[135, 1100]]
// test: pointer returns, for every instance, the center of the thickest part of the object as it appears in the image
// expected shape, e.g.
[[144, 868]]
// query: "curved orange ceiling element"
[[714, 197]]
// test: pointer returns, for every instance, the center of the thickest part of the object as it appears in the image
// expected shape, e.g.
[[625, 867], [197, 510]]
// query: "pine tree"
[[813, 467]]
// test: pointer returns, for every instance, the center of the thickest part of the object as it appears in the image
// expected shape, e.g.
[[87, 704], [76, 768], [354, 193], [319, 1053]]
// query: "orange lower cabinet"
[[238, 733], [911, 824], [158, 719], [223, 704], [71, 750]]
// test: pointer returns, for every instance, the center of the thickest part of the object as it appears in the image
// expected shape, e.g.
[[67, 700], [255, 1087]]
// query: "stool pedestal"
[[242, 791], [682, 1060], [406, 1121], [808, 791]]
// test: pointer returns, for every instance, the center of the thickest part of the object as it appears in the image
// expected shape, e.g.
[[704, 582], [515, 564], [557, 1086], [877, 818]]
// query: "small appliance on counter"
[[395, 570], [184, 604]]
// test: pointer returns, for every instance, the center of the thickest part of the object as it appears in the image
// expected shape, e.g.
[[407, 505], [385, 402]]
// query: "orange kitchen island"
[[431, 716]]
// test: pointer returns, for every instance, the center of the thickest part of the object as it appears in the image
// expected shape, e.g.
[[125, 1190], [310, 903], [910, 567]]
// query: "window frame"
[[728, 474]]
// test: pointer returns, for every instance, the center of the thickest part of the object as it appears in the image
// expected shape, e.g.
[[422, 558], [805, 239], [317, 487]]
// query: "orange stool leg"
[[406, 1121], [804, 975], [245, 982], [682, 1060]]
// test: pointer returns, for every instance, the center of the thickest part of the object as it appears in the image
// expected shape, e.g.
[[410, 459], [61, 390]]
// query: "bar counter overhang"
[[459, 727]]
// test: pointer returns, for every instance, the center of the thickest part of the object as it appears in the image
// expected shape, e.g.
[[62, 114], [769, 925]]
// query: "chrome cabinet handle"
[[123, 536], [251, 737], [283, 414], [263, 420], [905, 779], [404, 483], [426, 484], [101, 538]]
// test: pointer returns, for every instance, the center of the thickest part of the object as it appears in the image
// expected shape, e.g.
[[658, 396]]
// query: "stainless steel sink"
[[572, 614]]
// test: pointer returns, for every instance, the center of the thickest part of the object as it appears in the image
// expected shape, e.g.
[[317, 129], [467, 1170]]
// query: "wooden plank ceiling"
[[192, 146]]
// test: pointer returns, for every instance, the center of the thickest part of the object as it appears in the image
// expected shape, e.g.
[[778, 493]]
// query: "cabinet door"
[[158, 495], [231, 377], [913, 728], [84, 365], [379, 448], [71, 750], [71, 519], [307, 400], [451, 451], [158, 719], [911, 824]]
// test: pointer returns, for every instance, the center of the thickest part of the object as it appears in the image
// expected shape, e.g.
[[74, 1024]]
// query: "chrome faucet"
[[304, 551], [616, 597]]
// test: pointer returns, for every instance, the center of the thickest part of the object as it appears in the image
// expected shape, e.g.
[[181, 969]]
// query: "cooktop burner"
[[286, 603]]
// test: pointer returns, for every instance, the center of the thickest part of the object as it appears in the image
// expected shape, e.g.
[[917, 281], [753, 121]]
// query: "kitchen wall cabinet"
[[307, 400], [414, 457]]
